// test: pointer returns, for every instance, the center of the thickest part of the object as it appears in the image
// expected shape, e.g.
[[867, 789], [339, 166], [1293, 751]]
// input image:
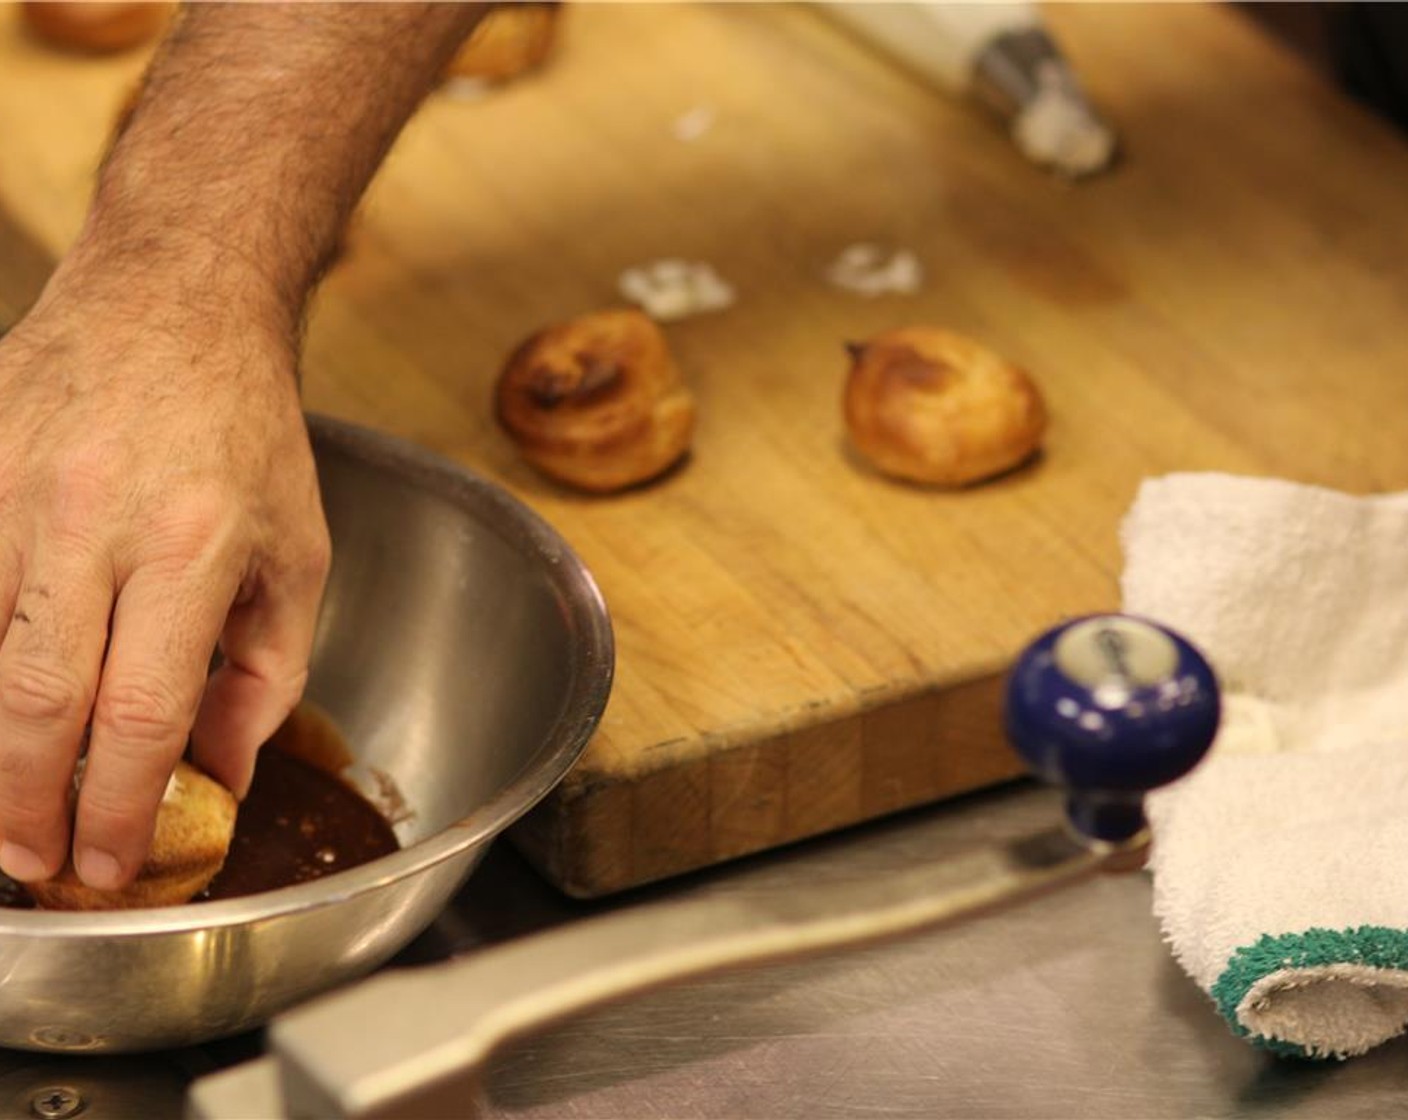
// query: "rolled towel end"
[[1319, 993]]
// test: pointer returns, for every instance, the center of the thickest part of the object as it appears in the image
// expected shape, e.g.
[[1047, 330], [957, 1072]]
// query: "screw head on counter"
[[1110, 706]]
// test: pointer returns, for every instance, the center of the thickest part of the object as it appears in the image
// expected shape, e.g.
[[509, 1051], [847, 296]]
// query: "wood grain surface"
[[802, 644]]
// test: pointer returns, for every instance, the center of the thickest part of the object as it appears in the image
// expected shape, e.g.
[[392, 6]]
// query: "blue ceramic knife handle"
[[1111, 706]]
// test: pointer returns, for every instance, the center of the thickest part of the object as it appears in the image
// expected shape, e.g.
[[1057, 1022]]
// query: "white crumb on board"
[[673, 289], [872, 270], [690, 126]]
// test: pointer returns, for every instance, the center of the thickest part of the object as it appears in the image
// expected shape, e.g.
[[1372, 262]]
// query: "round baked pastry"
[[927, 405], [511, 40], [597, 402], [194, 826], [95, 28]]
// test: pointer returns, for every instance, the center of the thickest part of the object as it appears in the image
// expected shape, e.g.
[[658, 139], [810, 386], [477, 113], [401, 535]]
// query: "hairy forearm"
[[258, 128]]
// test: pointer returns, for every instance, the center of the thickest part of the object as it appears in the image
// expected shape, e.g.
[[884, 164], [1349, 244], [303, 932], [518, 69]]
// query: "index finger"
[[162, 640], [49, 662]]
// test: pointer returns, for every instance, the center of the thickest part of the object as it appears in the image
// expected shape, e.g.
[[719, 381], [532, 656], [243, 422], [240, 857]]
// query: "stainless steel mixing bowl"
[[465, 652]]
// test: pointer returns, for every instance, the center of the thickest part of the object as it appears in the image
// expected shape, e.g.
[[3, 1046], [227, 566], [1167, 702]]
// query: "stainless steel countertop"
[[1067, 1006], [1063, 1007]]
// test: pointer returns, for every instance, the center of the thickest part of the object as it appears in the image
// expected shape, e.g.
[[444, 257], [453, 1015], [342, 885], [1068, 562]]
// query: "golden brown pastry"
[[194, 826], [931, 406], [95, 28], [511, 40], [597, 402]]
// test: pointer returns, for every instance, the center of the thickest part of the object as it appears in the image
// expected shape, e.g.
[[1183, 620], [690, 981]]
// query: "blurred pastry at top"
[[96, 28]]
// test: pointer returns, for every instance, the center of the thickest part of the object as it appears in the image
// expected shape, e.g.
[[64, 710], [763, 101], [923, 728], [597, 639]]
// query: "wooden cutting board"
[[802, 644]]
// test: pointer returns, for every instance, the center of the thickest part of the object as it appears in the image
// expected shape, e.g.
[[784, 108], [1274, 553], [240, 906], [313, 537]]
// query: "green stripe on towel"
[[1368, 946]]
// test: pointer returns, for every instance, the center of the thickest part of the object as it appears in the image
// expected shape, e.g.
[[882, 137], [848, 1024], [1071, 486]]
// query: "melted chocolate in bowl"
[[299, 821]]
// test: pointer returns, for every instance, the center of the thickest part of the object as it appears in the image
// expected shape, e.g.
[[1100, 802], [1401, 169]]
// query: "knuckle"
[[197, 523], [36, 692], [89, 470], [186, 525], [141, 711], [87, 482]]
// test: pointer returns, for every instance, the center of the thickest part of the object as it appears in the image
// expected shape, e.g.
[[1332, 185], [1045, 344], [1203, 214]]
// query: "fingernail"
[[98, 869], [21, 864], [242, 783]]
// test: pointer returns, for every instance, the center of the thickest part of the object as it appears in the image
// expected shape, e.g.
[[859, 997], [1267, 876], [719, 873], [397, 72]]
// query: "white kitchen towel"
[[1280, 865]]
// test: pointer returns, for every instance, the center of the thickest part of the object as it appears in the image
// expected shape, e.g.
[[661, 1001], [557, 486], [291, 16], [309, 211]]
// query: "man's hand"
[[157, 493]]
